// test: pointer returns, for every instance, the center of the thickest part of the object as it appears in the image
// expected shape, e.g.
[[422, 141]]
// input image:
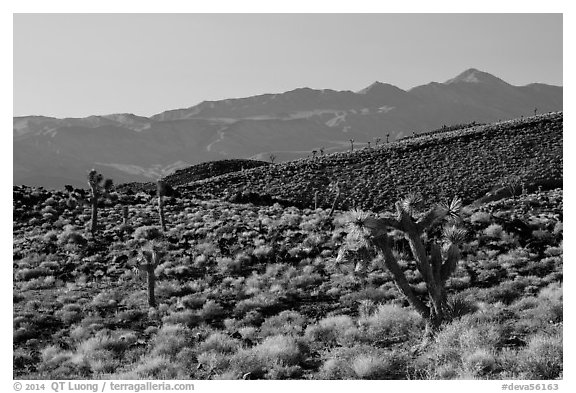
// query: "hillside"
[[53, 152], [248, 292], [467, 162]]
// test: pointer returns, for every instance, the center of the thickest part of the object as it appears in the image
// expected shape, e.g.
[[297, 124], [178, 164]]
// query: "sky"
[[75, 65]]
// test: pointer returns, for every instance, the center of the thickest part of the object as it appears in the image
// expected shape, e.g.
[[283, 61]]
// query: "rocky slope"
[[468, 162]]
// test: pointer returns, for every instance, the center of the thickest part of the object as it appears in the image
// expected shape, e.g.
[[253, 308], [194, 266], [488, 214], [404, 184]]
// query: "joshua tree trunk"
[[94, 217], [151, 260], [335, 200], [125, 214], [151, 286], [161, 205]]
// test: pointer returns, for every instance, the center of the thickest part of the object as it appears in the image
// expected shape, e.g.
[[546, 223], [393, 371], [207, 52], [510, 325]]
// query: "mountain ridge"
[[139, 148]]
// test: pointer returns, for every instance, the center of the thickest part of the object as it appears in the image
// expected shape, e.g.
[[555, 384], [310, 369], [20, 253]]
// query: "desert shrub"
[[170, 340], [27, 274], [211, 309], [107, 299], [39, 283], [51, 236], [541, 234], [188, 318], [70, 236], [392, 322], [459, 305], [364, 362], [281, 371], [228, 265], [274, 353], [256, 303], [248, 361], [480, 362], [70, 313], [155, 367], [542, 358], [454, 345], [221, 343], [494, 231], [287, 322], [62, 364], [480, 217], [114, 341], [147, 233], [330, 330]]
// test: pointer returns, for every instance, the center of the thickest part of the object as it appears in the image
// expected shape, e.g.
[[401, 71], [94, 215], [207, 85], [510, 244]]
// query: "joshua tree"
[[272, 157], [314, 153], [315, 200], [337, 189], [322, 151], [125, 214], [368, 144], [535, 110], [387, 138], [378, 140], [98, 187], [161, 190], [148, 261], [369, 237], [351, 144]]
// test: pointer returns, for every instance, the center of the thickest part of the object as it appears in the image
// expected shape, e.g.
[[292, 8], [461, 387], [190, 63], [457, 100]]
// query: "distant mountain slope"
[[127, 147]]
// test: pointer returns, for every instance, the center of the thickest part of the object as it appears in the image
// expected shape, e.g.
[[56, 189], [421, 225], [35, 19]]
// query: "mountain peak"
[[378, 87], [472, 75]]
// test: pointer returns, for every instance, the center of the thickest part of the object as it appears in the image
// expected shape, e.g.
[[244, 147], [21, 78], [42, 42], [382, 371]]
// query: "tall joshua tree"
[[98, 187], [369, 237], [148, 260], [161, 190]]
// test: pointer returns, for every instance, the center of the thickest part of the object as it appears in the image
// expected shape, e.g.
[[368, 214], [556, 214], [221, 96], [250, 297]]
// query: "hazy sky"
[[73, 65]]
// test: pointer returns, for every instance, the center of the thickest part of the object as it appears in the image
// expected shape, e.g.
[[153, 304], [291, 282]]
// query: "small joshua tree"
[[161, 190], [272, 157], [351, 144], [98, 187], [387, 138], [148, 260], [377, 141], [125, 215], [369, 238], [336, 188]]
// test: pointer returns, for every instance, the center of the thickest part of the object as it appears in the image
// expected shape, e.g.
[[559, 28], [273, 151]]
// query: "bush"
[[285, 350], [147, 233], [330, 330], [480, 217], [170, 340], [287, 322], [542, 358], [155, 367], [221, 343], [71, 236], [494, 231], [391, 322]]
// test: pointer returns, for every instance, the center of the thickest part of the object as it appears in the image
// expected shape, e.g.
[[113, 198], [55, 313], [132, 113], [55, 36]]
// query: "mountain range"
[[52, 152]]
